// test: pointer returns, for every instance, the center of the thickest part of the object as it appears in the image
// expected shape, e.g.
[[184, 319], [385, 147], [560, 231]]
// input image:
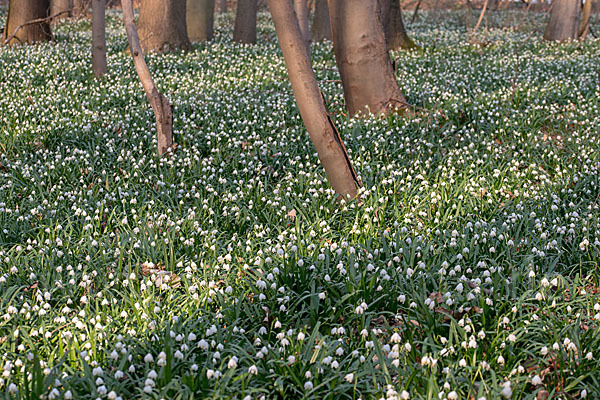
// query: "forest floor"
[[469, 268]]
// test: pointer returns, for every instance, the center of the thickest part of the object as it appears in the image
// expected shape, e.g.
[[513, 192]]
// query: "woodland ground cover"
[[469, 267]]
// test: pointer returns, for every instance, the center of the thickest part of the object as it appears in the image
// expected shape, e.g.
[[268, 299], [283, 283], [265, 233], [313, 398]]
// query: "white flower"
[[452, 395], [507, 391], [210, 373], [396, 338], [148, 358], [233, 362], [12, 388], [349, 377], [253, 370], [308, 385], [301, 336], [404, 395]]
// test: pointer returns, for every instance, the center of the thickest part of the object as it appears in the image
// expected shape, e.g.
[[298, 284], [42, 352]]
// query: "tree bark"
[[79, 8], [393, 26], [162, 25], [222, 6], [98, 38], [58, 6], [564, 20], [200, 20], [244, 30], [160, 104], [584, 25], [321, 29], [362, 57], [301, 10], [19, 13], [311, 103]]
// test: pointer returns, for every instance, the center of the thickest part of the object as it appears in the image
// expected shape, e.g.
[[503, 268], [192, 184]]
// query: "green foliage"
[[469, 268]]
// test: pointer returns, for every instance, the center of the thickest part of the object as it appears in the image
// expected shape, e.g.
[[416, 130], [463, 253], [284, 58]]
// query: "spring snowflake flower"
[[233, 362]]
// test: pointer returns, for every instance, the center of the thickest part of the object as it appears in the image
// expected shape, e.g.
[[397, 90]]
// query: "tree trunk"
[[79, 8], [20, 12], [321, 29], [362, 57], [244, 30], [301, 10], [98, 38], [162, 25], [393, 26], [584, 26], [311, 103], [222, 6], [564, 20], [160, 104], [58, 6], [200, 19]]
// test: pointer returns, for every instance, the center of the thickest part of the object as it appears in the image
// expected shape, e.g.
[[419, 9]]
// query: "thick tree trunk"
[[393, 26], [321, 29], [313, 110], [301, 10], [79, 8], [564, 20], [98, 38], [200, 20], [244, 30], [58, 6], [362, 57], [20, 12], [160, 104], [584, 25], [222, 6], [162, 25]]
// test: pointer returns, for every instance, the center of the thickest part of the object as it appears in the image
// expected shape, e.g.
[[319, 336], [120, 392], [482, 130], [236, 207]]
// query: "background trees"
[[362, 57], [20, 15], [98, 38], [244, 30], [564, 20], [200, 19], [162, 25]]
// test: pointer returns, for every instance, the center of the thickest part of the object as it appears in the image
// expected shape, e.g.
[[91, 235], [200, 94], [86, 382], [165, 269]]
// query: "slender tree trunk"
[[200, 19], [19, 13], [222, 6], [393, 26], [321, 29], [584, 25], [160, 104], [162, 25], [58, 6], [564, 20], [362, 57], [244, 30], [301, 9], [98, 38], [311, 103]]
